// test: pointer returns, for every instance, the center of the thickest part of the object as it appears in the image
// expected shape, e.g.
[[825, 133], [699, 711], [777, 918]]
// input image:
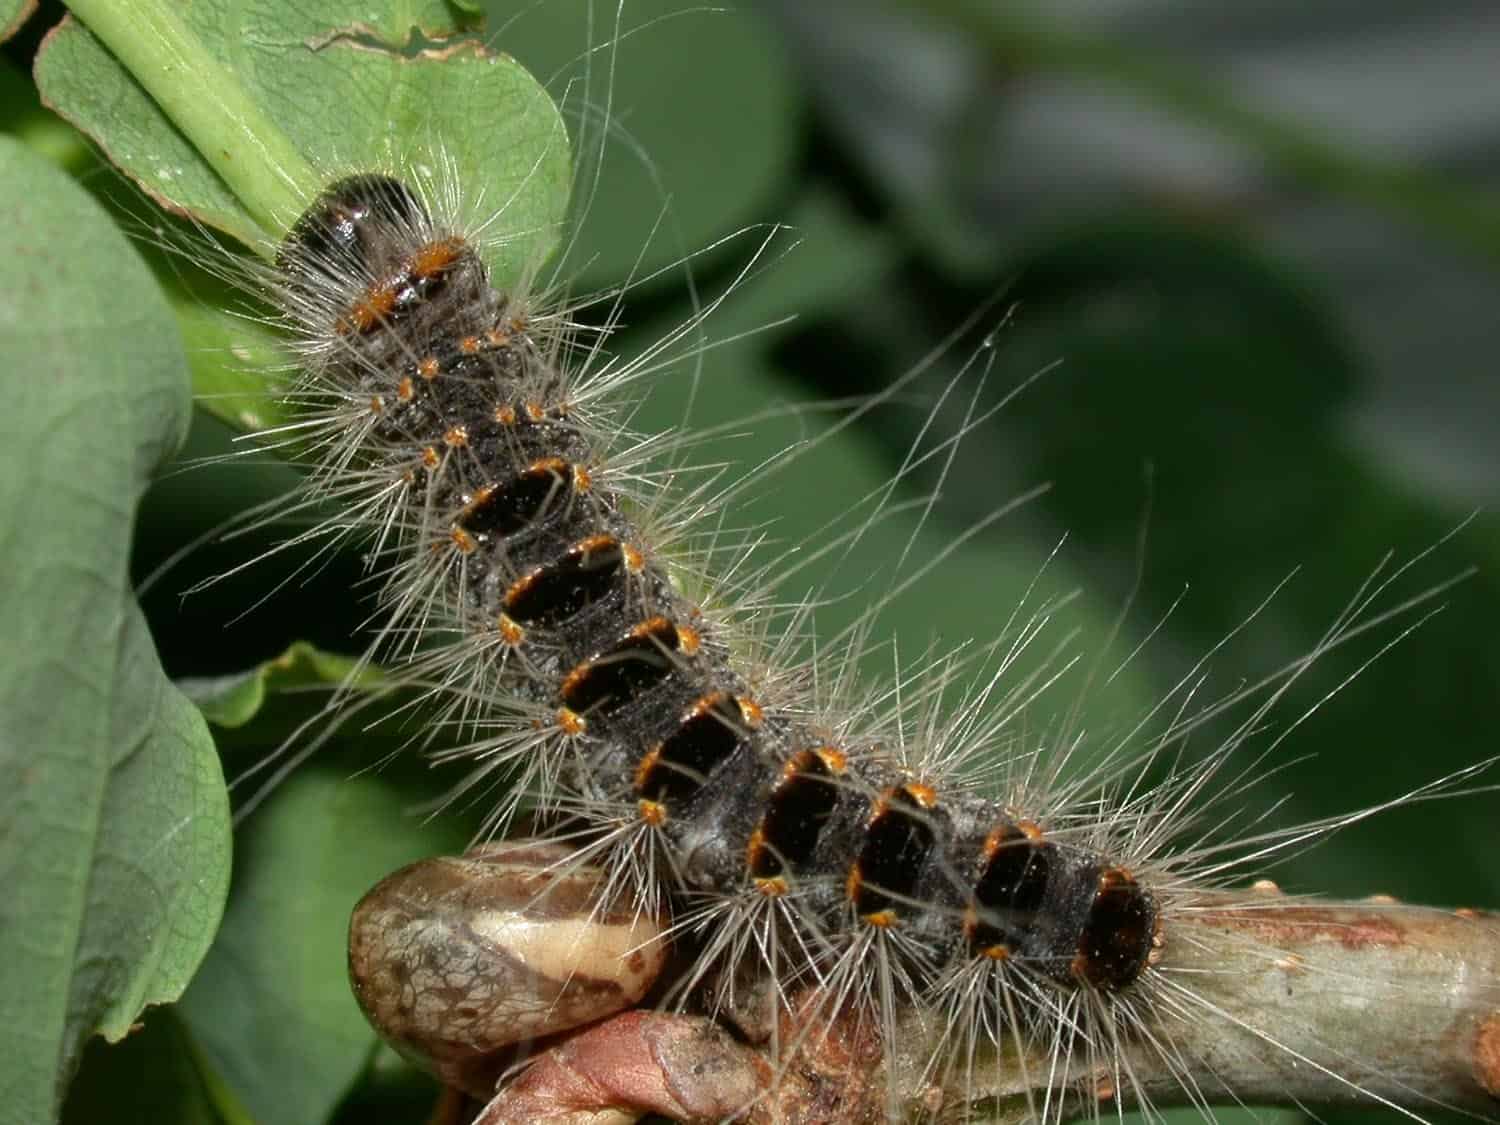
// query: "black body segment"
[[680, 765]]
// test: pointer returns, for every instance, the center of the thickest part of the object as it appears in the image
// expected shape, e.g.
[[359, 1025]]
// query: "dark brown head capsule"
[[347, 232]]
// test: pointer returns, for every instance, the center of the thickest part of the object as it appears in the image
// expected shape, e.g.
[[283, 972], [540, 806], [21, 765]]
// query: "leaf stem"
[[205, 100]]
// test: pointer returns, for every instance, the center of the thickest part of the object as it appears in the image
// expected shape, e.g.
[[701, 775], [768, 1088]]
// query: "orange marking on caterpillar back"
[[369, 311], [469, 345], [649, 626], [653, 813], [511, 633], [635, 562], [377, 404], [603, 542], [583, 480], [534, 411], [463, 540], [505, 415], [852, 882], [579, 673], [644, 767], [430, 458], [436, 257], [406, 390], [922, 793], [457, 437], [429, 368], [752, 714], [571, 722], [832, 757]]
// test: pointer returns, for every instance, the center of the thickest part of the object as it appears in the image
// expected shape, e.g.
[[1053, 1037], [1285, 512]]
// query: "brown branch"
[[1269, 1001], [1250, 998]]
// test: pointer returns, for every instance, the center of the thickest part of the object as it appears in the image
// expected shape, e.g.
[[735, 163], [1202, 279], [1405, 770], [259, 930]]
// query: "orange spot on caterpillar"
[[406, 389], [832, 757], [377, 404], [463, 540], [925, 795], [469, 345], [774, 887], [653, 813], [583, 480], [852, 882], [572, 723], [511, 633], [635, 562], [370, 310], [534, 411], [429, 368], [650, 626], [436, 257], [575, 677], [752, 714], [646, 765], [457, 437], [505, 415], [430, 458]]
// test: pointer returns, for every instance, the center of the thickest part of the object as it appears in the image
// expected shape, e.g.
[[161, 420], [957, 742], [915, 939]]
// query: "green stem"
[[207, 103], [1021, 43]]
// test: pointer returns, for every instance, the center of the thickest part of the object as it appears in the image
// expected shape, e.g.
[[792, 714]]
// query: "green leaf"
[[703, 125], [272, 1007], [114, 852], [14, 13], [348, 93], [233, 701]]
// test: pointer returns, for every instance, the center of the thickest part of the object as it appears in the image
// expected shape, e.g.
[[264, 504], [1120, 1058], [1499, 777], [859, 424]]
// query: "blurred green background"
[[1253, 252]]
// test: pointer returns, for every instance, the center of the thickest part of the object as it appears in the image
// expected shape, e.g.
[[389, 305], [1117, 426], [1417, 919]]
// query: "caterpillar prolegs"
[[890, 932]]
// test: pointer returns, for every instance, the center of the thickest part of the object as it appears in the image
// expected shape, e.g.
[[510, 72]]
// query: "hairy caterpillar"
[[836, 875], [903, 830]]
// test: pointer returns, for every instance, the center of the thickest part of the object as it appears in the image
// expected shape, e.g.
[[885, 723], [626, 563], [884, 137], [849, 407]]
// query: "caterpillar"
[[820, 874], [460, 429]]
